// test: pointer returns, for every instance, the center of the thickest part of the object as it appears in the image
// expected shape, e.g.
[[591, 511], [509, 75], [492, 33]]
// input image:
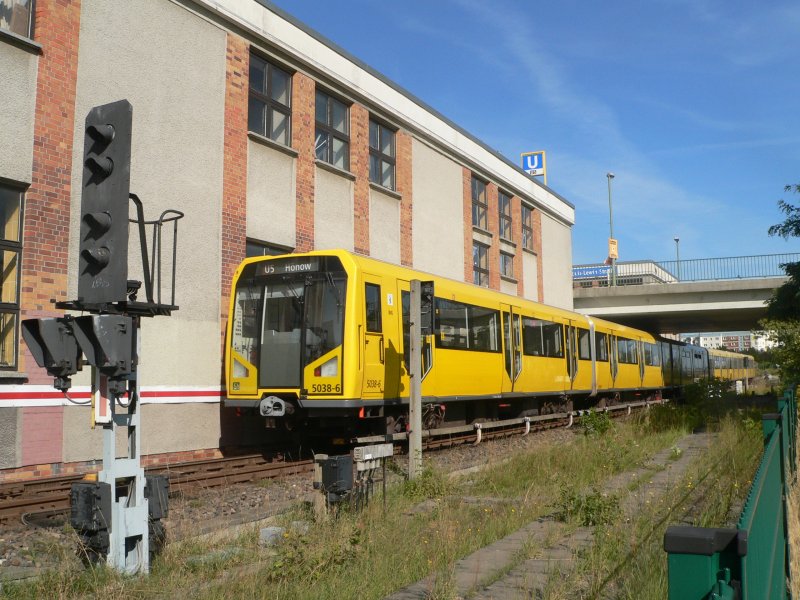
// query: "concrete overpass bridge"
[[702, 295]]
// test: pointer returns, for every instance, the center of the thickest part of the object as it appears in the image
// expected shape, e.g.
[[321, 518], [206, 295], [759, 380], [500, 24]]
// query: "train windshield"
[[288, 313]]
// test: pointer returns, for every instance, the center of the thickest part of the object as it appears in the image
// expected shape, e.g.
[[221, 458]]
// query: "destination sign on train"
[[288, 265]]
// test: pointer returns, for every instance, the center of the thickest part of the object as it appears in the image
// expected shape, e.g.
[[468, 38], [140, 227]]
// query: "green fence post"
[[703, 563]]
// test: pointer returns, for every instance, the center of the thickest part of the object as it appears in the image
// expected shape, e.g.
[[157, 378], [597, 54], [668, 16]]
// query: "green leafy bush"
[[596, 422]]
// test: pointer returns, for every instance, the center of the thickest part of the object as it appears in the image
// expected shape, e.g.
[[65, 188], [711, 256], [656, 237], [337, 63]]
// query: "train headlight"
[[330, 368]]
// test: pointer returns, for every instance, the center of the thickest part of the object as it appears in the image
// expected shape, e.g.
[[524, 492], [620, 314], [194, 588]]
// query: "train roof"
[[466, 292]]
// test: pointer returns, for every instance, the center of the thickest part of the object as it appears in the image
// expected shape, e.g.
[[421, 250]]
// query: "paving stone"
[[530, 578]]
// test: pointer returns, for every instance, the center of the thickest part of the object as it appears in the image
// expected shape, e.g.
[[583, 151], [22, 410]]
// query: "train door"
[[613, 355], [404, 294], [512, 347], [572, 354], [640, 350], [374, 344]]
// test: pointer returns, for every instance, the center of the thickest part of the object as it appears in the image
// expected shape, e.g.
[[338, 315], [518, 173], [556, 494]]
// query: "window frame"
[[29, 28], [480, 203], [326, 127], [377, 156], [507, 265], [266, 248], [506, 221], [527, 227], [480, 268], [373, 317], [271, 106], [14, 246]]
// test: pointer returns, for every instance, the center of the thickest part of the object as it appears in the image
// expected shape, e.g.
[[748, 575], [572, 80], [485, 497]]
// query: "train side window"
[[542, 338], [372, 293], [601, 346], [584, 345], [626, 351], [467, 327], [652, 358]]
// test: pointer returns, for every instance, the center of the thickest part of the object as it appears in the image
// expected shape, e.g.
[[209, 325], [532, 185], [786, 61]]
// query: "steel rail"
[[51, 494]]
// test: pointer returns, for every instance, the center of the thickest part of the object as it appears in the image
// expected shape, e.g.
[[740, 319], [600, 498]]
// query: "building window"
[[11, 248], [504, 205], [527, 228], [507, 265], [270, 108], [332, 143], [480, 264], [256, 248], [381, 155], [479, 205], [17, 16]]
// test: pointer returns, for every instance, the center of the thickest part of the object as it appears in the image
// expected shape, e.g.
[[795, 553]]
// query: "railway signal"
[[120, 523], [103, 255], [53, 347]]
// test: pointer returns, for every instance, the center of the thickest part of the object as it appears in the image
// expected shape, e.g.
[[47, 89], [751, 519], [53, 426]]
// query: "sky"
[[694, 105]]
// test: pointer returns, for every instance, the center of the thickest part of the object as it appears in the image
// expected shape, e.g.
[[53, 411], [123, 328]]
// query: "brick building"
[[270, 139]]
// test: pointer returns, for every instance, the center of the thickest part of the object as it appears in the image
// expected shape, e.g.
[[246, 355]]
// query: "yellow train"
[[321, 339]]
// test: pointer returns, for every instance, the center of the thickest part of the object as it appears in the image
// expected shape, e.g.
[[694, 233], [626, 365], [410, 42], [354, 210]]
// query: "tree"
[[783, 309], [785, 302], [786, 354]]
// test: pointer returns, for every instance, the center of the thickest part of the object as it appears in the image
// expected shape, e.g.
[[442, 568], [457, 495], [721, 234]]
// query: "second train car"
[[321, 339]]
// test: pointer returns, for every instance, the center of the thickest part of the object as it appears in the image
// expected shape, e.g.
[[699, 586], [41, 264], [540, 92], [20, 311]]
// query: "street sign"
[[613, 252], [535, 163], [590, 272]]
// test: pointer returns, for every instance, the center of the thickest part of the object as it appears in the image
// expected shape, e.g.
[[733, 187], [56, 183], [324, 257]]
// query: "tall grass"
[[426, 527], [628, 561]]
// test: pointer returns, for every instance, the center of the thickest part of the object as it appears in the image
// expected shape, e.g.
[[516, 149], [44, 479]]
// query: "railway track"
[[51, 495]]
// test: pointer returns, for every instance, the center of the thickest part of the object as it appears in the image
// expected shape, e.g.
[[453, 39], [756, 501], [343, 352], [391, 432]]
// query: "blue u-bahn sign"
[[534, 163], [590, 272]]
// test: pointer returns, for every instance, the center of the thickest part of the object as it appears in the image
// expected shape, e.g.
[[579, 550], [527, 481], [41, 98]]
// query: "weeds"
[[596, 422], [587, 508], [430, 484], [373, 553]]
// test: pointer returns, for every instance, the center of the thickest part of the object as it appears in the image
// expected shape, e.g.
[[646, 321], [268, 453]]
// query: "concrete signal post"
[[421, 324]]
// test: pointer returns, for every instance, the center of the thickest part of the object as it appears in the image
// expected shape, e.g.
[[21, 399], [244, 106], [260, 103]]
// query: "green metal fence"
[[750, 562]]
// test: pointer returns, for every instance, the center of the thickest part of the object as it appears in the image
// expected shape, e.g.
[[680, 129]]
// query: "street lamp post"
[[678, 256], [610, 176]]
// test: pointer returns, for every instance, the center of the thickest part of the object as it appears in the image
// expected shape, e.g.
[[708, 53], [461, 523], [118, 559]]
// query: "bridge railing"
[[674, 271], [751, 561]]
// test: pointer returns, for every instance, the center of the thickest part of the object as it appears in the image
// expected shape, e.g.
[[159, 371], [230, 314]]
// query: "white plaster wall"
[[507, 287], [333, 211], [438, 213], [178, 427], [18, 70], [556, 262], [530, 276], [271, 195], [81, 442], [170, 65], [384, 226], [10, 437], [166, 427]]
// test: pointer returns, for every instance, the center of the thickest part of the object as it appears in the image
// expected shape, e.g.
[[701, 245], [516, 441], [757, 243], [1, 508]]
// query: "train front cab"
[[286, 340]]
